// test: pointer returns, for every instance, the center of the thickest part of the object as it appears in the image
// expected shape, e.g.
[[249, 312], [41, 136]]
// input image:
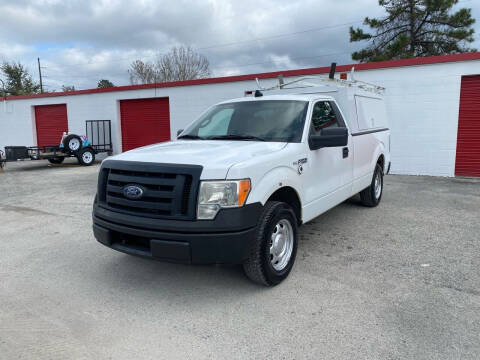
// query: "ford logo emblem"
[[132, 192]]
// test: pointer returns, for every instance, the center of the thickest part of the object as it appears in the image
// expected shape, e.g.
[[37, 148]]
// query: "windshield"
[[265, 120]]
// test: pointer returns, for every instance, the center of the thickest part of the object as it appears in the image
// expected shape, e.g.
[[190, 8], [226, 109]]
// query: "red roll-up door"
[[468, 138], [144, 122], [51, 122]]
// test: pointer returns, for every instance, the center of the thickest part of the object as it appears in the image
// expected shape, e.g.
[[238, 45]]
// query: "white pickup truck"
[[239, 181]]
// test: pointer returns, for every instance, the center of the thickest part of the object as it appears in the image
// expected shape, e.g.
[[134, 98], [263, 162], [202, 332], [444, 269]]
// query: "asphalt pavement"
[[399, 281]]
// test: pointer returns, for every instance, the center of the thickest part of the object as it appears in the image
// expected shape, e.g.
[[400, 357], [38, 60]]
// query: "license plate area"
[[176, 251]]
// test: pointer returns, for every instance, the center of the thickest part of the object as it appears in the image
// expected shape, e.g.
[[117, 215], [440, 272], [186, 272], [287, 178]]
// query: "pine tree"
[[104, 83], [415, 28]]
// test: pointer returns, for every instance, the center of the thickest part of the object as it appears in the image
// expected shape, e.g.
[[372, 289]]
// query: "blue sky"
[[81, 42]]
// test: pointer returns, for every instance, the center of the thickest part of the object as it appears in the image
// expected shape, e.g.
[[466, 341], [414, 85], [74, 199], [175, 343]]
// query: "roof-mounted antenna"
[[332, 71], [258, 83], [351, 73]]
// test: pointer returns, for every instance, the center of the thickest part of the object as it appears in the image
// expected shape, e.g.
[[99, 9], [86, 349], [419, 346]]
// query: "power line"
[[291, 59], [97, 77], [227, 66], [93, 76], [272, 37], [278, 36]]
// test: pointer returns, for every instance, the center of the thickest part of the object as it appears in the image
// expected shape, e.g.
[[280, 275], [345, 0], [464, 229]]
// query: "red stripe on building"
[[309, 71]]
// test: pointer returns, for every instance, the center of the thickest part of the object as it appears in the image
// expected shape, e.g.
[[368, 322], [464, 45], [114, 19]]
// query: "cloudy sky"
[[82, 41]]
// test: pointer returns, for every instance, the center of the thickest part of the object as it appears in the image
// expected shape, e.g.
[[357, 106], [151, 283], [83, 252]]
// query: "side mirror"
[[179, 132], [331, 137]]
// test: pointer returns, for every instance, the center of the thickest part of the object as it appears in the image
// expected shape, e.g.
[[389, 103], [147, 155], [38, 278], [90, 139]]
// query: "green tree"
[[414, 28], [104, 83], [17, 79]]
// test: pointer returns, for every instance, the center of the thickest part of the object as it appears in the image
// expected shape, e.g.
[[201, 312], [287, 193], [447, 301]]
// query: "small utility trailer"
[[84, 148]]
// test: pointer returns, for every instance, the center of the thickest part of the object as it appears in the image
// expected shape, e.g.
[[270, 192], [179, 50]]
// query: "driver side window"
[[324, 116]]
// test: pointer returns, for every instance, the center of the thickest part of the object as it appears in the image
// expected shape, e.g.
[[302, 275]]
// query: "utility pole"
[[40, 74]]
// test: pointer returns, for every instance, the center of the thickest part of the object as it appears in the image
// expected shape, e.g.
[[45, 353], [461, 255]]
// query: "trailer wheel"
[[56, 160], [86, 156], [72, 143], [2, 159]]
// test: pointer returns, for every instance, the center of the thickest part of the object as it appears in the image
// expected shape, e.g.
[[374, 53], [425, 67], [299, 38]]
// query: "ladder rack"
[[321, 80]]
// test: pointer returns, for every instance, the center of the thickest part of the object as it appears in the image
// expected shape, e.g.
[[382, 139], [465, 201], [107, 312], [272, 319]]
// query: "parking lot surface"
[[400, 281]]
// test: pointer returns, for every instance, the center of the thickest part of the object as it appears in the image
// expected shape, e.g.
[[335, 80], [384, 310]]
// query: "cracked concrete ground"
[[400, 281]]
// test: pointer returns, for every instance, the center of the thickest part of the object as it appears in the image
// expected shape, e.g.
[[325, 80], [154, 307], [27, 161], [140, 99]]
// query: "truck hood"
[[216, 156]]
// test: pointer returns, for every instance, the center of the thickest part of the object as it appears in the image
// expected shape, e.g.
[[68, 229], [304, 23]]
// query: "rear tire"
[[72, 143], [57, 160], [372, 195], [275, 245], [86, 157]]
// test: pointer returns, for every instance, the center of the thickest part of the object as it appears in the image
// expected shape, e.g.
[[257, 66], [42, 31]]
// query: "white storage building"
[[433, 105]]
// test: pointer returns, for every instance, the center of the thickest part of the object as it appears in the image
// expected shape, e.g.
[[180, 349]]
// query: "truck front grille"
[[169, 191]]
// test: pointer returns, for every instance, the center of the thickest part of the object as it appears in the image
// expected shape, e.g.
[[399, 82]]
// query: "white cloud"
[[82, 41], [9, 49]]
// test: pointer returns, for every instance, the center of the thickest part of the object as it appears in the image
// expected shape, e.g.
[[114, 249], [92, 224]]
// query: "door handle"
[[345, 152]]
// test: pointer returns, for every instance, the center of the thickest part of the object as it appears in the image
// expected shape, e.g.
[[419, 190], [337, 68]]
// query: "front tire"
[[372, 195], [275, 245]]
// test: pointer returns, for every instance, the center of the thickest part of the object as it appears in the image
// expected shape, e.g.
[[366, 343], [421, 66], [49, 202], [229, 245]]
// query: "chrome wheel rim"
[[74, 144], [281, 245], [87, 157], [378, 185]]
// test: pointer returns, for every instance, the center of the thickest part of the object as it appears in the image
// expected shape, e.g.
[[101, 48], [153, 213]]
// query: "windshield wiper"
[[193, 137], [236, 137]]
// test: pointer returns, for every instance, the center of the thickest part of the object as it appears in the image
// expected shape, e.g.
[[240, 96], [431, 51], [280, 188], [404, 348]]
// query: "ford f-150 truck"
[[238, 182]]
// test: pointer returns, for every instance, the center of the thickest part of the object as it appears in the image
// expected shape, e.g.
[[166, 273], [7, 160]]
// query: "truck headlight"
[[215, 195]]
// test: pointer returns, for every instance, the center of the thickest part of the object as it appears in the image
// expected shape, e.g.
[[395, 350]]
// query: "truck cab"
[[238, 182]]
